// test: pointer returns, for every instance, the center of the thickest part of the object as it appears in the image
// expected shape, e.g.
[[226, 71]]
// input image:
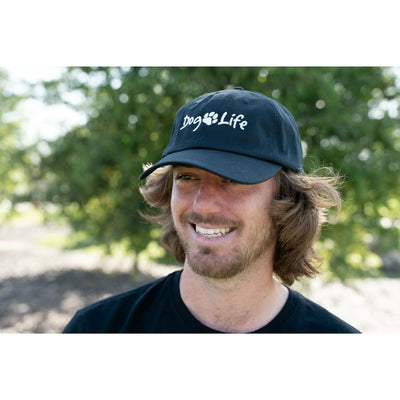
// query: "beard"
[[207, 261]]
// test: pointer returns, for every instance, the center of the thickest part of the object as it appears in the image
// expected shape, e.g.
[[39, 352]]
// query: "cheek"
[[179, 204], [257, 210], [174, 204]]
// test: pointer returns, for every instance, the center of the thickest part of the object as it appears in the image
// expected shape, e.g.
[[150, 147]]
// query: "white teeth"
[[212, 232]]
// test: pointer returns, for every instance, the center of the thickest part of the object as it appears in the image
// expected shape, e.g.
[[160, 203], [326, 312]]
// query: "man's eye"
[[184, 177]]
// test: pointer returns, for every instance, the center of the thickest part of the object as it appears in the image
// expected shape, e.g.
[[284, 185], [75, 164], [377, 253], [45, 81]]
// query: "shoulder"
[[309, 317], [136, 293], [110, 314]]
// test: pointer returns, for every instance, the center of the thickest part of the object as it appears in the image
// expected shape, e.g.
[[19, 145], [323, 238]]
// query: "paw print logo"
[[210, 118]]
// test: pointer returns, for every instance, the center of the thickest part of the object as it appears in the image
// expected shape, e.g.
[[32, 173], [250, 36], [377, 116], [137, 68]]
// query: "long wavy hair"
[[298, 213]]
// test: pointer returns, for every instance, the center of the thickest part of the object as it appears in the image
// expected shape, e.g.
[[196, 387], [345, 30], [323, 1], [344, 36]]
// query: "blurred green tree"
[[12, 156], [348, 119]]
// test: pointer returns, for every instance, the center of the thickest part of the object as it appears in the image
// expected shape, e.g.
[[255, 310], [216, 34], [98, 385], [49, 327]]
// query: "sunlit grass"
[[27, 214], [24, 213], [71, 241]]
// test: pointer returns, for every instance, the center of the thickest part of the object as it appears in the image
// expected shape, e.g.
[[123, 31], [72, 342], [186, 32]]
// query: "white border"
[[288, 33], [199, 366]]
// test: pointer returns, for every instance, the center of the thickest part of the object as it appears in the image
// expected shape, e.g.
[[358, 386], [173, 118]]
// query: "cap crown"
[[241, 122]]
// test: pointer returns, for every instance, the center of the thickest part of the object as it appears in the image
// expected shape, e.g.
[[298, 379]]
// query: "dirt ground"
[[41, 287]]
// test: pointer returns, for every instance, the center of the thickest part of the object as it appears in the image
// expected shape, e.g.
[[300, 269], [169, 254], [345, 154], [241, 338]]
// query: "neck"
[[243, 303]]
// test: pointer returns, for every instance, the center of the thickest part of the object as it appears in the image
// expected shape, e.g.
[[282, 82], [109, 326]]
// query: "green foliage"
[[92, 172], [12, 158]]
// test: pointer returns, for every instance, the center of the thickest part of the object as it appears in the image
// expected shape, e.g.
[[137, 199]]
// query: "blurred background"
[[72, 144]]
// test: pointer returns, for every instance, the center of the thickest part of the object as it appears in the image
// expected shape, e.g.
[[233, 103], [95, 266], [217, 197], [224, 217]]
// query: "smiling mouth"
[[213, 232]]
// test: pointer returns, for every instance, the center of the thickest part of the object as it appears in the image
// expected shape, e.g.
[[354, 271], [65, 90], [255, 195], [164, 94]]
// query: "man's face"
[[224, 227]]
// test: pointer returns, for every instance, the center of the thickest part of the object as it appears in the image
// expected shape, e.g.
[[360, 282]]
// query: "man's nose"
[[208, 199]]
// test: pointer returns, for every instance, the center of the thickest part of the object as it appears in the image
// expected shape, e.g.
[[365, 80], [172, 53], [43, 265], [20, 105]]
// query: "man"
[[238, 211]]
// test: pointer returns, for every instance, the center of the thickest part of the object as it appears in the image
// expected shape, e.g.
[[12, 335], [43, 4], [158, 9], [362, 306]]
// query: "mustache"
[[215, 219]]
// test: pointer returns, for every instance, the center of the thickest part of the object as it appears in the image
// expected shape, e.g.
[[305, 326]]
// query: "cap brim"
[[235, 167]]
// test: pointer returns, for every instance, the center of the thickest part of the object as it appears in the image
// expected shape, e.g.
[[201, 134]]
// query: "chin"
[[215, 268]]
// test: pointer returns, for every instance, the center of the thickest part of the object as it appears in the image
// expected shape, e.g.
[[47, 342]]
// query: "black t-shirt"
[[157, 307]]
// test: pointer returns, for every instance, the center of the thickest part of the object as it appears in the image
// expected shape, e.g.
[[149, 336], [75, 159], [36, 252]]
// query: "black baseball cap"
[[243, 136]]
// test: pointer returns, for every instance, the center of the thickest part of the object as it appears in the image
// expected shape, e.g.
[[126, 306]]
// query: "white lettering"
[[223, 122], [242, 125], [185, 122], [237, 119], [197, 121], [211, 118]]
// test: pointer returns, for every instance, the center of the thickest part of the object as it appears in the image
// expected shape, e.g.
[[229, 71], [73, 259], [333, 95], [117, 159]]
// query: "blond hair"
[[298, 213]]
